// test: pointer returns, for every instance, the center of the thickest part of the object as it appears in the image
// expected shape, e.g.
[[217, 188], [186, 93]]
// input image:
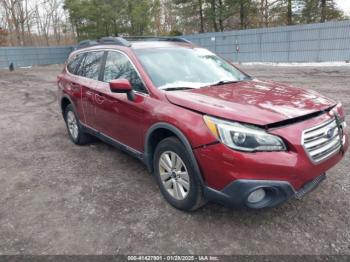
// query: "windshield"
[[186, 67]]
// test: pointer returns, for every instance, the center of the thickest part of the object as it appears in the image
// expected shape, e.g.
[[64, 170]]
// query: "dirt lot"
[[58, 198]]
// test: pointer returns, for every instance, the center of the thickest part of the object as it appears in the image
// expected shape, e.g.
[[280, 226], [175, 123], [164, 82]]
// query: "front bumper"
[[277, 192], [230, 175]]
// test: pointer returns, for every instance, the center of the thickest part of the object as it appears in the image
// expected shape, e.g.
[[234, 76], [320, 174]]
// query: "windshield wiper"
[[224, 82], [174, 88]]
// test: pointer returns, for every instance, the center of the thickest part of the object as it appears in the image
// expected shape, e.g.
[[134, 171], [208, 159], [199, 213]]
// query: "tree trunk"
[[266, 13], [15, 21], [289, 13], [10, 25], [213, 15], [30, 40], [262, 12], [221, 23], [22, 21], [201, 20], [130, 7], [241, 14], [323, 11]]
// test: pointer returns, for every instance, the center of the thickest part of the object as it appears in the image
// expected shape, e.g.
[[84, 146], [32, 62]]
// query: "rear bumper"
[[277, 192]]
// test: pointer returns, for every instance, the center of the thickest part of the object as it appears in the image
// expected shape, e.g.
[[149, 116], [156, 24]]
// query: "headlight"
[[243, 137]]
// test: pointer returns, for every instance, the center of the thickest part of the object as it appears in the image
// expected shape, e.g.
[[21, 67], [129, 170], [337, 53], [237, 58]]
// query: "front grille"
[[322, 141]]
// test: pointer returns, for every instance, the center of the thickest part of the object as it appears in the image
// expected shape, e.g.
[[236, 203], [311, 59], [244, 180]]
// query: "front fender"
[[148, 154]]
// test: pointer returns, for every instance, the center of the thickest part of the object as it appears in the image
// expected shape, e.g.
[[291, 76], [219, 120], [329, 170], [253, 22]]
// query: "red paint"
[[254, 102], [221, 165], [120, 86], [257, 102]]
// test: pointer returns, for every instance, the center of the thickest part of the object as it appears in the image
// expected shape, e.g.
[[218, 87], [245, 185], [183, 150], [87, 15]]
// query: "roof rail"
[[157, 38], [86, 43], [124, 41], [114, 40], [105, 41]]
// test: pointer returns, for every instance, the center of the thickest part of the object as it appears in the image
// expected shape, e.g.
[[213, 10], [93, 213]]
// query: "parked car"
[[205, 129]]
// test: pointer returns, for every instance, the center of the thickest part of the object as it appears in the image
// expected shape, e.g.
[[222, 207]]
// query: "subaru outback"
[[205, 129]]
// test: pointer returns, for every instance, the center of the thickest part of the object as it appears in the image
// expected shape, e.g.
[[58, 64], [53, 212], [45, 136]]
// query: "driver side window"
[[118, 66]]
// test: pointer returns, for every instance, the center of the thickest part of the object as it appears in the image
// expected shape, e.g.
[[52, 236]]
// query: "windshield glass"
[[186, 67]]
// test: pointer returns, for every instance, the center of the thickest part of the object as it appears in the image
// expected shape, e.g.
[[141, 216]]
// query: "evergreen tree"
[[315, 11], [97, 18]]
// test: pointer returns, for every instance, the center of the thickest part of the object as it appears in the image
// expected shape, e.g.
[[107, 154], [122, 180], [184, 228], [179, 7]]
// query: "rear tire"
[[74, 128], [175, 175]]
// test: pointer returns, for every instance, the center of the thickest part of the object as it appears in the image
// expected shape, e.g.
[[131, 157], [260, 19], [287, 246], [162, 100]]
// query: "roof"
[[157, 44]]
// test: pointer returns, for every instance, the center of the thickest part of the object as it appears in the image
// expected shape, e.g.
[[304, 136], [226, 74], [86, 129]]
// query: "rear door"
[[70, 83], [89, 73]]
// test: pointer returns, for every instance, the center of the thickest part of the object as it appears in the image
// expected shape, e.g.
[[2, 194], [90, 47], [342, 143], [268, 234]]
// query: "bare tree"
[[265, 6], [11, 12], [18, 16], [56, 13], [48, 17]]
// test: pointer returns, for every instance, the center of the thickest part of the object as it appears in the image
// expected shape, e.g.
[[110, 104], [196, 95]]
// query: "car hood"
[[254, 101]]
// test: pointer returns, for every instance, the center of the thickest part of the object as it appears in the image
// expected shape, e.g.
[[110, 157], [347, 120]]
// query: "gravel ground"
[[58, 198]]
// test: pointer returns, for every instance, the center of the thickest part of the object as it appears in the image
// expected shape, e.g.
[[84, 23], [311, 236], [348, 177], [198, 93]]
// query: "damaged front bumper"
[[237, 193]]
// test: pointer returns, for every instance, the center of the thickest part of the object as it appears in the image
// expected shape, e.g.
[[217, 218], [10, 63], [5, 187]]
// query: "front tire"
[[175, 175], [75, 132]]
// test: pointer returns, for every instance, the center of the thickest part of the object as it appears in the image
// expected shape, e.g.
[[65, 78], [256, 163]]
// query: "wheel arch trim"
[[148, 158], [70, 100]]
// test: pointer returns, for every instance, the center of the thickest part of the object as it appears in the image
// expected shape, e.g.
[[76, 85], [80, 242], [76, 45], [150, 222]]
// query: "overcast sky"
[[344, 5]]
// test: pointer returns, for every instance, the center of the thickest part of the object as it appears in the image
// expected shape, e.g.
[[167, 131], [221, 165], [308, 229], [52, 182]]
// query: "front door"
[[116, 116]]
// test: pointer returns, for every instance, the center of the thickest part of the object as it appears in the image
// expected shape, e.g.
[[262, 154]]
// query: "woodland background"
[[65, 22]]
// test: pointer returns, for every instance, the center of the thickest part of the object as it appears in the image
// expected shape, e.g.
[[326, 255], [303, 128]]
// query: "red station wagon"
[[208, 131]]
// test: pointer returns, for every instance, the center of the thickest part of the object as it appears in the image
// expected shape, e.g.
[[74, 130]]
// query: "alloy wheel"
[[72, 125], [174, 175]]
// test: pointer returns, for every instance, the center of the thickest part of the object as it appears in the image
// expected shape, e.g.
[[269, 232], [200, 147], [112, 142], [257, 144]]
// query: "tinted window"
[[119, 66], [91, 65], [74, 63]]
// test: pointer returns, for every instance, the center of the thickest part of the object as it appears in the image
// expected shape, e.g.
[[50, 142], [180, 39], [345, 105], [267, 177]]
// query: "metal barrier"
[[299, 43], [28, 56]]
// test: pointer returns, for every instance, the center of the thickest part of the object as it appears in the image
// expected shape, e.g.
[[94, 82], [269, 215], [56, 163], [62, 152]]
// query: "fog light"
[[256, 196]]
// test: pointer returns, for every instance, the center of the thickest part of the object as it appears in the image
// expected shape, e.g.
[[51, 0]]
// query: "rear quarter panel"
[[65, 89]]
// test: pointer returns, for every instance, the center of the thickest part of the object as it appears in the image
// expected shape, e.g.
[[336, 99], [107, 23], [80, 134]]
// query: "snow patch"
[[320, 64]]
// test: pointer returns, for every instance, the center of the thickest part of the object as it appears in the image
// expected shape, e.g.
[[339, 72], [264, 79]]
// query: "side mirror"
[[120, 86]]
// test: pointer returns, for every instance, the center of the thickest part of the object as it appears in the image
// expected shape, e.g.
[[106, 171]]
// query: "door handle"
[[75, 85], [100, 98]]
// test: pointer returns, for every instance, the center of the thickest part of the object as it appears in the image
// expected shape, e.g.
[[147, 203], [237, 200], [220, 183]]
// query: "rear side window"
[[91, 65], [74, 62], [118, 66]]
